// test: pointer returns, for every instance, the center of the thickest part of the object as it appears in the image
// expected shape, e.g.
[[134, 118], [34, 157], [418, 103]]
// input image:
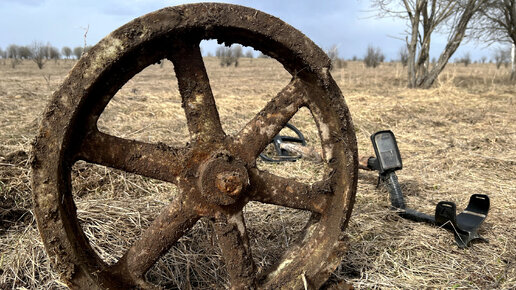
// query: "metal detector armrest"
[[465, 225]]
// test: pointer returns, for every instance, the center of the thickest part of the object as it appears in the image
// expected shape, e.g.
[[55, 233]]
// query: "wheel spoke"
[[172, 223], [234, 244], [273, 189], [259, 132], [197, 98], [151, 160]]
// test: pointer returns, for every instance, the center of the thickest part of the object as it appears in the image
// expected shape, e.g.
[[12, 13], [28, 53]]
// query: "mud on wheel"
[[225, 175]]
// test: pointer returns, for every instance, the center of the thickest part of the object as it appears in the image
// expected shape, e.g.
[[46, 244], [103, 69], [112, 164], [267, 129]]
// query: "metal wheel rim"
[[125, 52]]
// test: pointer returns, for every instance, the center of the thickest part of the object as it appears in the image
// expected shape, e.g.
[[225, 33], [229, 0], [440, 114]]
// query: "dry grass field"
[[456, 139]]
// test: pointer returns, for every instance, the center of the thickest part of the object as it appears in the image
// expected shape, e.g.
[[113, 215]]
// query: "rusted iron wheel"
[[216, 173]]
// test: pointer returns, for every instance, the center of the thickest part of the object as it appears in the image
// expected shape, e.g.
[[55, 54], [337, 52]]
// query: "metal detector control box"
[[388, 157]]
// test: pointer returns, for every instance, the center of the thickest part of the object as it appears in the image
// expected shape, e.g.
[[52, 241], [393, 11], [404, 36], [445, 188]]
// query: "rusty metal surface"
[[216, 173], [234, 244]]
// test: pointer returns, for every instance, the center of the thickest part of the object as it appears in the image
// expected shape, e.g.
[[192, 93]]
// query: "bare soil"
[[456, 139]]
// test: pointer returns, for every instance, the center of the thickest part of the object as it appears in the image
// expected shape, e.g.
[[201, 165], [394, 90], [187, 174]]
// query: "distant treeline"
[[47, 51], [40, 53]]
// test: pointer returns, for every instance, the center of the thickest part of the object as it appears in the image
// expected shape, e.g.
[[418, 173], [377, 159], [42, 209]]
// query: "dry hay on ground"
[[456, 139]]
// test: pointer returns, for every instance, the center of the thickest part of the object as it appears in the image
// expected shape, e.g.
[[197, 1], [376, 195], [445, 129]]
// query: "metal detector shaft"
[[398, 202], [395, 194]]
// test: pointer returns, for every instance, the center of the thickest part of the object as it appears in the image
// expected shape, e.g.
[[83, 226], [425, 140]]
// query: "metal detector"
[[464, 225], [388, 160]]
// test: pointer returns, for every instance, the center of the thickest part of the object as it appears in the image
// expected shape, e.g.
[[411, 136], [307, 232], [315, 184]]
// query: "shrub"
[[229, 55], [336, 61], [403, 53], [373, 57], [465, 59]]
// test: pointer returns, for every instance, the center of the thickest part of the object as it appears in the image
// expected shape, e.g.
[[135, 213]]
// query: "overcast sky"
[[349, 24]]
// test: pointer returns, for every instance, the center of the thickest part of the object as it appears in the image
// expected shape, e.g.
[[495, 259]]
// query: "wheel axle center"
[[222, 179], [230, 183]]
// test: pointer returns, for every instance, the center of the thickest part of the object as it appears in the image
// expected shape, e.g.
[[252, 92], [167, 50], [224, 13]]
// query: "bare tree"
[[223, 53], [77, 52], [513, 61], [236, 52], [12, 54], [12, 51], [24, 52], [496, 23], [53, 53], [425, 17], [39, 54], [3, 55], [229, 55], [465, 59], [87, 48], [336, 61], [249, 54], [66, 51], [501, 56], [333, 52]]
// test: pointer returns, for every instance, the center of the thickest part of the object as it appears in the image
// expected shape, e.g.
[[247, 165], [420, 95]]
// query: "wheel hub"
[[222, 179]]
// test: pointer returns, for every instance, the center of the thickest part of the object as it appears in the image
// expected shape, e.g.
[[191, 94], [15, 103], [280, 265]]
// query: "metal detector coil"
[[282, 154]]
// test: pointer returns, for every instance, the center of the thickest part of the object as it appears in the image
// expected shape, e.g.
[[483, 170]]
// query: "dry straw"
[[456, 139]]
